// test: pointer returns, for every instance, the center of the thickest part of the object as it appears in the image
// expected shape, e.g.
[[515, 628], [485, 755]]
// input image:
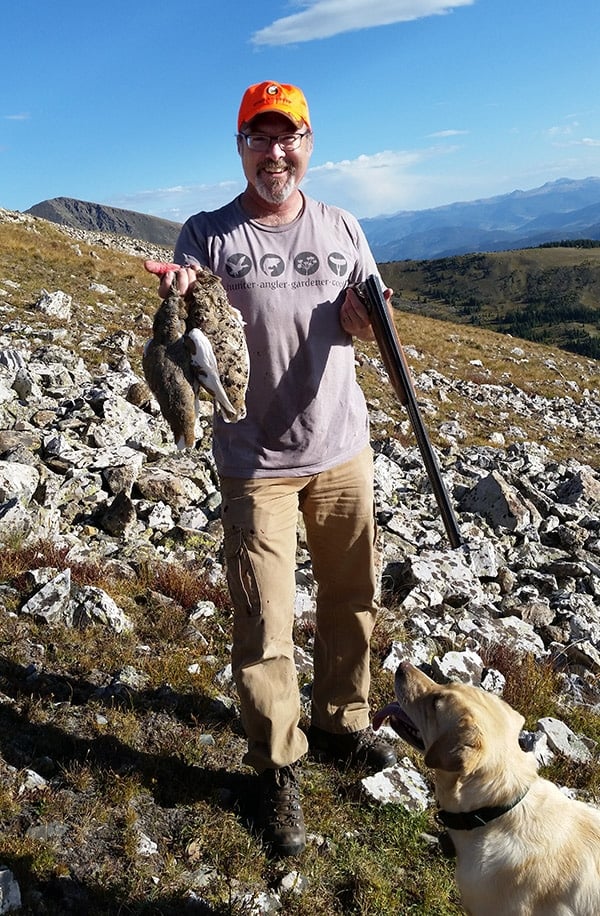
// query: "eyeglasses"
[[260, 143]]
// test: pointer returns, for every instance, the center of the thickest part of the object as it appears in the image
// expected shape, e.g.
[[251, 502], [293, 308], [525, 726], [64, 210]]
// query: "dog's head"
[[461, 730]]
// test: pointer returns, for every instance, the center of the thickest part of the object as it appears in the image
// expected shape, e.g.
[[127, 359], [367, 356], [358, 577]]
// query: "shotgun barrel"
[[371, 294]]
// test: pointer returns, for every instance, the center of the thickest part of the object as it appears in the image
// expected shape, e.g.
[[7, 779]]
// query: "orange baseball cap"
[[277, 97]]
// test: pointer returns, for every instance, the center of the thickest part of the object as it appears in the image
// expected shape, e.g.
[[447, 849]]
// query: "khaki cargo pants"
[[260, 524]]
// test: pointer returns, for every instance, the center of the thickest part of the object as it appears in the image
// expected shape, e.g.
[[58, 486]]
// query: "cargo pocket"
[[241, 577]]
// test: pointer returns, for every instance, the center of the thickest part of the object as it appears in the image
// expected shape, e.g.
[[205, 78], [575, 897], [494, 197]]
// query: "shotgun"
[[371, 294]]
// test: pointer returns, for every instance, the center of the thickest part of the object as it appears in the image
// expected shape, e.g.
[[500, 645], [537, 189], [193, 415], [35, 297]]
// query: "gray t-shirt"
[[305, 410]]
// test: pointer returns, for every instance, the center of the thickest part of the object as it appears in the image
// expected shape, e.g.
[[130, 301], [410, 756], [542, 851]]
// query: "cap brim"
[[297, 122]]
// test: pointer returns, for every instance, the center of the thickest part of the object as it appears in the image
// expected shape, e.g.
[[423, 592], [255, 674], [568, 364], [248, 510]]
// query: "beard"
[[275, 191]]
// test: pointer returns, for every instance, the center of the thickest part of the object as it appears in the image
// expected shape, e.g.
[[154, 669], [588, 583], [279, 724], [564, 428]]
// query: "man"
[[287, 263]]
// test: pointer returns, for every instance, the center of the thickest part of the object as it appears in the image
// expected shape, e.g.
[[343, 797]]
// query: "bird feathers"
[[198, 342]]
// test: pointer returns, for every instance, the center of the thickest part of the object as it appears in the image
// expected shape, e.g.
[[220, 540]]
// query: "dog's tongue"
[[402, 724], [391, 711]]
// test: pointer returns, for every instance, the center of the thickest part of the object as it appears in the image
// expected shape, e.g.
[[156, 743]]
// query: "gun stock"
[[371, 294]]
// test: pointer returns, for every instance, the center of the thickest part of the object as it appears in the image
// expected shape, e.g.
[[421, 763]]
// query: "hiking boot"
[[362, 748], [280, 813]]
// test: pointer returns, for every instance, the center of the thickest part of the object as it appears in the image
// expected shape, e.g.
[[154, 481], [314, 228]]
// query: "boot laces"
[[285, 796]]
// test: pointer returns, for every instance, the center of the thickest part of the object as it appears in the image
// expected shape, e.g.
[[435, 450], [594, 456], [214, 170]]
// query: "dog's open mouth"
[[402, 724]]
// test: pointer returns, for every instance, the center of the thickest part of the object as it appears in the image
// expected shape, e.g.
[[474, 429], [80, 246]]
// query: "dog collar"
[[469, 820]]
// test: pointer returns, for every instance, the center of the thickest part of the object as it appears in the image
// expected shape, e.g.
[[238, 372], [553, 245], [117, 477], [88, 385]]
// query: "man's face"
[[275, 173]]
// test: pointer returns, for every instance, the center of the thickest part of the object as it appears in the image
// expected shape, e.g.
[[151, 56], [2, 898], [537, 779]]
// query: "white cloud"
[[324, 18], [24, 116], [442, 134], [563, 130], [370, 185], [584, 141], [180, 201]]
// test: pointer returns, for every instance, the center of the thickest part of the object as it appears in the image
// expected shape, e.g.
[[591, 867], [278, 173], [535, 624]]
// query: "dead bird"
[[208, 344], [220, 355], [168, 371]]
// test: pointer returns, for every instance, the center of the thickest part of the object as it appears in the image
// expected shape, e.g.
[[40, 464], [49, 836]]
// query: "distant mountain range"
[[80, 214], [559, 210], [563, 209]]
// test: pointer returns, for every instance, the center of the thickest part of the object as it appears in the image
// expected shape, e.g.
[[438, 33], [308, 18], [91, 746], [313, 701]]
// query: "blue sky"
[[414, 103]]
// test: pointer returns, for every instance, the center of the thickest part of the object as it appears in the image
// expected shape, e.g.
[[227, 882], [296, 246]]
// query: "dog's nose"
[[403, 668], [527, 741]]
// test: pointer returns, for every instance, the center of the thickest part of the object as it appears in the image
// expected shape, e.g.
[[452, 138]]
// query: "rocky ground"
[[114, 607]]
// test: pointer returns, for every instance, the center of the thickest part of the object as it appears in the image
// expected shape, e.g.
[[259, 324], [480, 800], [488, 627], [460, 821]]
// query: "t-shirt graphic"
[[238, 264], [306, 263], [272, 265], [338, 263]]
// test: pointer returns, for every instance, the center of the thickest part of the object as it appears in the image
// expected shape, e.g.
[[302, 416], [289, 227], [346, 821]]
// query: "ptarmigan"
[[198, 342]]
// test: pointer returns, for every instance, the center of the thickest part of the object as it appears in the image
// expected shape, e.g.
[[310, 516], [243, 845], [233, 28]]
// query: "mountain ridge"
[[564, 209], [93, 217]]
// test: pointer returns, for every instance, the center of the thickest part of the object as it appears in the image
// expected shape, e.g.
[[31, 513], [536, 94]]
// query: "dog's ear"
[[455, 748]]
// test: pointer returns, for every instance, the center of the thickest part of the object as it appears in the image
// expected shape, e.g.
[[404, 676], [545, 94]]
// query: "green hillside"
[[549, 294]]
